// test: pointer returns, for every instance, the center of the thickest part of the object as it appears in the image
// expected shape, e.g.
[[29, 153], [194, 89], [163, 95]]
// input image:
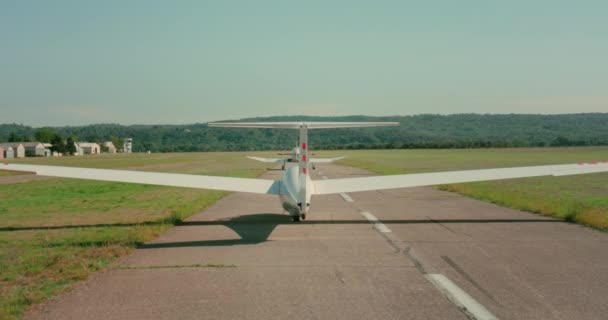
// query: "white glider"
[[295, 186]]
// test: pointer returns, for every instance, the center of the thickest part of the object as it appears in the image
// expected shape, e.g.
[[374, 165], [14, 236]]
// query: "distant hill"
[[419, 131]]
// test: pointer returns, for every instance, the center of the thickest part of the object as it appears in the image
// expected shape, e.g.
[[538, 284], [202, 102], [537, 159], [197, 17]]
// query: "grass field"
[[55, 232], [580, 198]]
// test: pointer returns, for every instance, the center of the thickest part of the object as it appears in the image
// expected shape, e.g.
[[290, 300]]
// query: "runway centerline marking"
[[459, 297], [381, 227], [346, 197]]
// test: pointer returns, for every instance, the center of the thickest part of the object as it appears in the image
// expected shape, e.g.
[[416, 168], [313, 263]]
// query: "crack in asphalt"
[[208, 265], [465, 275]]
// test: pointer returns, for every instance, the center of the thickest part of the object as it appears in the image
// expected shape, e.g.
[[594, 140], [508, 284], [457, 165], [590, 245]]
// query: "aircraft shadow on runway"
[[252, 229], [256, 228]]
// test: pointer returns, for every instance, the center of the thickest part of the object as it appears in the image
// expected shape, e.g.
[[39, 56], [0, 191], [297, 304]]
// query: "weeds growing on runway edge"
[[55, 232], [585, 204]]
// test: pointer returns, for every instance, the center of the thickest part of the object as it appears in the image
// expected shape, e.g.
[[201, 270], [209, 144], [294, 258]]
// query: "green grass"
[[55, 232], [217, 163], [414, 161], [580, 198]]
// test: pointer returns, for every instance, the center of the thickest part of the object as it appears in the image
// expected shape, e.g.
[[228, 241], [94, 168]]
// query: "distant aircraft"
[[294, 157], [295, 187]]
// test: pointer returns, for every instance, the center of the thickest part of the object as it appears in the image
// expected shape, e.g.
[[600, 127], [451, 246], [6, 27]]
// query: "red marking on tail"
[[594, 162], [303, 158], [304, 145], [6, 164], [304, 170]]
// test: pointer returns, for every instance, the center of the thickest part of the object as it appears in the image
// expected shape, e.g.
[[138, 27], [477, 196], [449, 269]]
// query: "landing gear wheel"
[[295, 218], [303, 216], [283, 167]]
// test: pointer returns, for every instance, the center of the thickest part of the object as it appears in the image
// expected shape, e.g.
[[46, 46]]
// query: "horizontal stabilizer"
[[267, 159], [298, 125], [156, 178], [435, 178], [325, 160]]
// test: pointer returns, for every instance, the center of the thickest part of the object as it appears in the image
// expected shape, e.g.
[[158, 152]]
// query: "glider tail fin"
[[304, 195]]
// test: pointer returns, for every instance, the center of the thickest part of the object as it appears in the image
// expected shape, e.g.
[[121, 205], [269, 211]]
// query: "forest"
[[416, 131]]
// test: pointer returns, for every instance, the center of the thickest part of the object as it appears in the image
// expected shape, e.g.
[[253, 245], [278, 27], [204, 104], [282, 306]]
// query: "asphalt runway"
[[401, 254]]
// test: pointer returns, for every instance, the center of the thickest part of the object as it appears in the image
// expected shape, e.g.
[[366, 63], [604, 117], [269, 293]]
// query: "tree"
[[70, 147], [13, 137], [45, 135], [561, 142], [57, 144], [118, 142]]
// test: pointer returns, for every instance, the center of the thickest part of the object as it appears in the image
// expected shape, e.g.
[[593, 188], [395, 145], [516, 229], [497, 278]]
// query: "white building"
[[87, 148], [18, 150], [128, 145], [36, 149], [9, 153], [110, 146], [48, 152]]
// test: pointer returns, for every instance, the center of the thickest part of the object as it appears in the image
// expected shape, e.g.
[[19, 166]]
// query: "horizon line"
[[302, 116]]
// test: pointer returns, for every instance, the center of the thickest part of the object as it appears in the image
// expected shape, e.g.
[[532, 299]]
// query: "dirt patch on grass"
[[20, 178]]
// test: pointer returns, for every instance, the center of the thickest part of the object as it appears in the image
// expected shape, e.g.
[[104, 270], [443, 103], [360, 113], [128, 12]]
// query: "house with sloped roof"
[[110, 146], [36, 149], [17, 150], [49, 150], [88, 148], [9, 153]]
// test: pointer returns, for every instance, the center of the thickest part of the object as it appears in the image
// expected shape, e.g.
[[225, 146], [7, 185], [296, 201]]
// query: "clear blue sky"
[[79, 62]]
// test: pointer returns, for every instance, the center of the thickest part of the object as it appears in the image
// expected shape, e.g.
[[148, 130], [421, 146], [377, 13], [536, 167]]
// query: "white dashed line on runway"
[[375, 222], [459, 297], [346, 197]]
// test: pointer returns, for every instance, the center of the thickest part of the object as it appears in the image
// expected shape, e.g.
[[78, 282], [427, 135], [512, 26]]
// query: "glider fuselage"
[[295, 192]]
